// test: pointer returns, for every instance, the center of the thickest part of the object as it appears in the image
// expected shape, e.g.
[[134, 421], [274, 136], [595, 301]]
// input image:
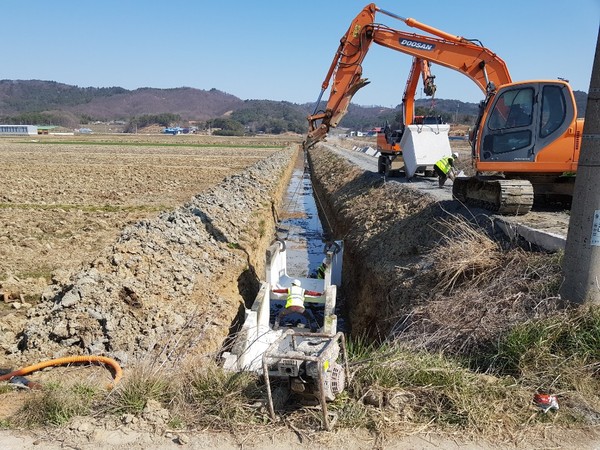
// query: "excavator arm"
[[420, 68], [478, 63], [346, 69]]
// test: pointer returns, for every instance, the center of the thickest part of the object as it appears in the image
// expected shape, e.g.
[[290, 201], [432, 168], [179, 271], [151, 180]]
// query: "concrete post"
[[581, 263]]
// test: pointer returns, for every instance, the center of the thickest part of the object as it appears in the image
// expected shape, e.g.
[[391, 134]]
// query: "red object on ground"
[[545, 402]]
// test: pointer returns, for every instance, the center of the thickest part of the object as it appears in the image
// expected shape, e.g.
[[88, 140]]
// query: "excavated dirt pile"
[[427, 272], [170, 285]]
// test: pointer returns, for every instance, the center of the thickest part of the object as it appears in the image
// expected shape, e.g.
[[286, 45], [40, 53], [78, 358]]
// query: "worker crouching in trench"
[[295, 304]]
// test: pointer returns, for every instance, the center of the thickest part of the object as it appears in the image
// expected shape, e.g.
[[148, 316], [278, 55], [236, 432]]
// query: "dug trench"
[[176, 284], [171, 288]]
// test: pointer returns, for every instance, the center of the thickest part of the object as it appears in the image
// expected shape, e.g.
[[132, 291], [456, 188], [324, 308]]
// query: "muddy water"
[[300, 225]]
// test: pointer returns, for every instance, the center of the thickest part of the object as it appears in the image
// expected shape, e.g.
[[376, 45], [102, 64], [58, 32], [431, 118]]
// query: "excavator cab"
[[390, 153], [520, 124], [389, 139], [528, 132]]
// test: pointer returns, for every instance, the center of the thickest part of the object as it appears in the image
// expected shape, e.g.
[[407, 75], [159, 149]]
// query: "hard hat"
[[455, 155], [324, 260], [296, 282]]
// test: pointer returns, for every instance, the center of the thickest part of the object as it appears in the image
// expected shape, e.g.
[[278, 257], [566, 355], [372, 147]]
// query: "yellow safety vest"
[[321, 272], [444, 164], [295, 297]]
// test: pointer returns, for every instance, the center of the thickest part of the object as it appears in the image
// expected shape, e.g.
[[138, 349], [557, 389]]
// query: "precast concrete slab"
[[546, 240]]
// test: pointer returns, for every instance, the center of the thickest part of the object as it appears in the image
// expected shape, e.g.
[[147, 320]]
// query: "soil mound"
[[431, 273], [168, 285]]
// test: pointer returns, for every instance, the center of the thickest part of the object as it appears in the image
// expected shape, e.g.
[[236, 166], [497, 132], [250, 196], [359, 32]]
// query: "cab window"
[[510, 122], [554, 110], [513, 109]]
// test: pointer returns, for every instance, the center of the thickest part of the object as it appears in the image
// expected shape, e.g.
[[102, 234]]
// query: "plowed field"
[[63, 199]]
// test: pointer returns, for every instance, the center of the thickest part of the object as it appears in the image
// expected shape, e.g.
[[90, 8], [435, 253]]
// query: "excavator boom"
[[526, 131], [485, 68], [347, 68]]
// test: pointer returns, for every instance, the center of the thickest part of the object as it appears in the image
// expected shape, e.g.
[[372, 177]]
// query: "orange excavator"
[[526, 138]]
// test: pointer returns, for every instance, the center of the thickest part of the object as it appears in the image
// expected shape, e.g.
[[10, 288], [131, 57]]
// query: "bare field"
[[63, 199]]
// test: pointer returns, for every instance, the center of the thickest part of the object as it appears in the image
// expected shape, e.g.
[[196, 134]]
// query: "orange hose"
[[68, 360]]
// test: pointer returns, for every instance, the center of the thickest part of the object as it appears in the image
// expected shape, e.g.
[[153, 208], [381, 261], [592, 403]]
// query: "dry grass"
[[145, 382], [224, 400], [394, 390], [465, 254], [481, 291], [56, 404]]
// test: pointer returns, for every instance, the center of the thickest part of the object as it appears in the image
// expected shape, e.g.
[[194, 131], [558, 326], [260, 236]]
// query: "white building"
[[18, 130]]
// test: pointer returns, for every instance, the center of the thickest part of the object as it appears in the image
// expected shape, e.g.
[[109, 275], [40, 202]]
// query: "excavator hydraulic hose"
[[118, 372]]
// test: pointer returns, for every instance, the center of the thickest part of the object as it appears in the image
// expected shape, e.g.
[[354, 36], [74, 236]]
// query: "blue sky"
[[280, 50]]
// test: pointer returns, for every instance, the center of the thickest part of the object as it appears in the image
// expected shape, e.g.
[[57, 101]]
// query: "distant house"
[[18, 130], [45, 129], [173, 130]]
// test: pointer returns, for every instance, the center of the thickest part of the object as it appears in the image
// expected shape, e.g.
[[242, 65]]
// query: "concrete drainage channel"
[[301, 228], [290, 334]]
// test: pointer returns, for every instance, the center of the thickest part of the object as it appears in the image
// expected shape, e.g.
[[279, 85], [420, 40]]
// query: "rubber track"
[[513, 197]]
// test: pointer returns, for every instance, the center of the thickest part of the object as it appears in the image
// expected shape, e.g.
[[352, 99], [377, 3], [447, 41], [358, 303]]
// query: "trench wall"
[[169, 287], [386, 228]]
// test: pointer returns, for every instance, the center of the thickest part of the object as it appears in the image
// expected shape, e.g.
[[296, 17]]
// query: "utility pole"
[[581, 262]]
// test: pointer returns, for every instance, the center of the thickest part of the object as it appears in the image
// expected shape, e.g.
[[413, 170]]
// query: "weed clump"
[[395, 389], [144, 383], [464, 255], [56, 404], [568, 342], [224, 399]]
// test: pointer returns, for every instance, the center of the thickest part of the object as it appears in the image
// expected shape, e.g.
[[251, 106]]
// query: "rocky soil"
[[168, 284]]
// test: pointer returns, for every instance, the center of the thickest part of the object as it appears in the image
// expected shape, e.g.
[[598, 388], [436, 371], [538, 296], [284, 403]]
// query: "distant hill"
[[581, 102], [50, 102], [24, 96], [189, 103]]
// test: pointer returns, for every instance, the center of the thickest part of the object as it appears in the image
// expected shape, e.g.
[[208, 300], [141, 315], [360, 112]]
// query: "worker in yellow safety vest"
[[321, 270], [295, 304], [444, 169]]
